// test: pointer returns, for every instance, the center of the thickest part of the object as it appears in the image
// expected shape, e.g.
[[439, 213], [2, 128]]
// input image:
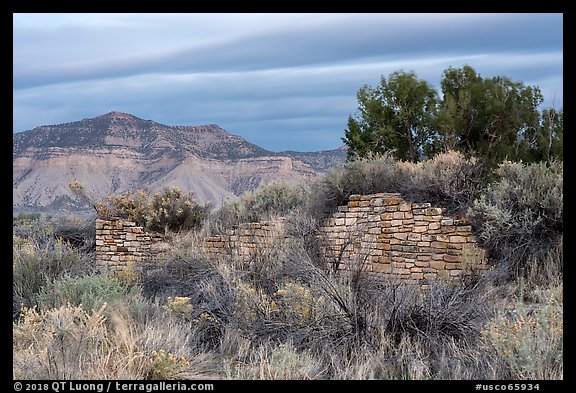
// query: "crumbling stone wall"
[[380, 233], [246, 241], [121, 242], [389, 236]]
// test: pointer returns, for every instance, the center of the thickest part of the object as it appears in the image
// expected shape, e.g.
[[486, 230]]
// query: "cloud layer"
[[283, 81]]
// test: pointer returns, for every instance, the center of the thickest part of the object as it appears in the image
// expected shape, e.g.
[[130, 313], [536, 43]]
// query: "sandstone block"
[[350, 221], [397, 216], [392, 201], [401, 235], [447, 221], [433, 211], [382, 267], [434, 225], [439, 245], [404, 207], [414, 236], [419, 229], [457, 239], [451, 258], [437, 265], [383, 246]]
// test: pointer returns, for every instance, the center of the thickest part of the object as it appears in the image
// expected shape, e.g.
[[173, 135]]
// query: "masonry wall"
[[397, 239], [121, 242], [246, 241], [380, 233]]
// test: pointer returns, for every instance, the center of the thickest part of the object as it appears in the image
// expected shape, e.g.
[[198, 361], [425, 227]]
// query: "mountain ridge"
[[117, 152]]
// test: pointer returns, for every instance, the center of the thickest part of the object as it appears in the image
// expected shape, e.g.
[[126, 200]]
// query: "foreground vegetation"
[[285, 315]]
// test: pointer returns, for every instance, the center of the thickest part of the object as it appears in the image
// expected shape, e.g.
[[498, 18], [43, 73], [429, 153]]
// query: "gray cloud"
[[264, 77]]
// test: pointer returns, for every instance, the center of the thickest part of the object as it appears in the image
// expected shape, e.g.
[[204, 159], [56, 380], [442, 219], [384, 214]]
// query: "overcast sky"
[[282, 81]]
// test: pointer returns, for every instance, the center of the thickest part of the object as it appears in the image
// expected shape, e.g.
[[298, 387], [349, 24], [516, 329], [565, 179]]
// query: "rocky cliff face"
[[117, 152]]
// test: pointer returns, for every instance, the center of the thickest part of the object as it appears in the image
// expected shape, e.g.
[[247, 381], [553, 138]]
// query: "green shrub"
[[169, 209], [520, 217], [173, 209], [38, 261], [363, 176], [449, 180], [273, 199], [90, 291], [527, 343]]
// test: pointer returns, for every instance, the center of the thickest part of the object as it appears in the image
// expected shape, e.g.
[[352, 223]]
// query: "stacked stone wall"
[[380, 233], [246, 241], [384, 234], [120, 243]]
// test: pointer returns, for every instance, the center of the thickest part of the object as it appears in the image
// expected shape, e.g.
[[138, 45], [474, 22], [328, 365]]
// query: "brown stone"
[[350, 221], [401, 235], [382, 267], [433, 211], [457, 239], [434, 225], [451, 258], [440, 245], [404, 207], [392, 201], [437, 265]]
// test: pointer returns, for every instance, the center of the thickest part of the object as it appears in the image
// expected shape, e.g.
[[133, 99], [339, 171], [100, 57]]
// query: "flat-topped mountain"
[[117, 152]]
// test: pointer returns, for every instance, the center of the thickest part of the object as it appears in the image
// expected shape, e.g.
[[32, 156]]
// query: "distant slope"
[[117, 152]]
